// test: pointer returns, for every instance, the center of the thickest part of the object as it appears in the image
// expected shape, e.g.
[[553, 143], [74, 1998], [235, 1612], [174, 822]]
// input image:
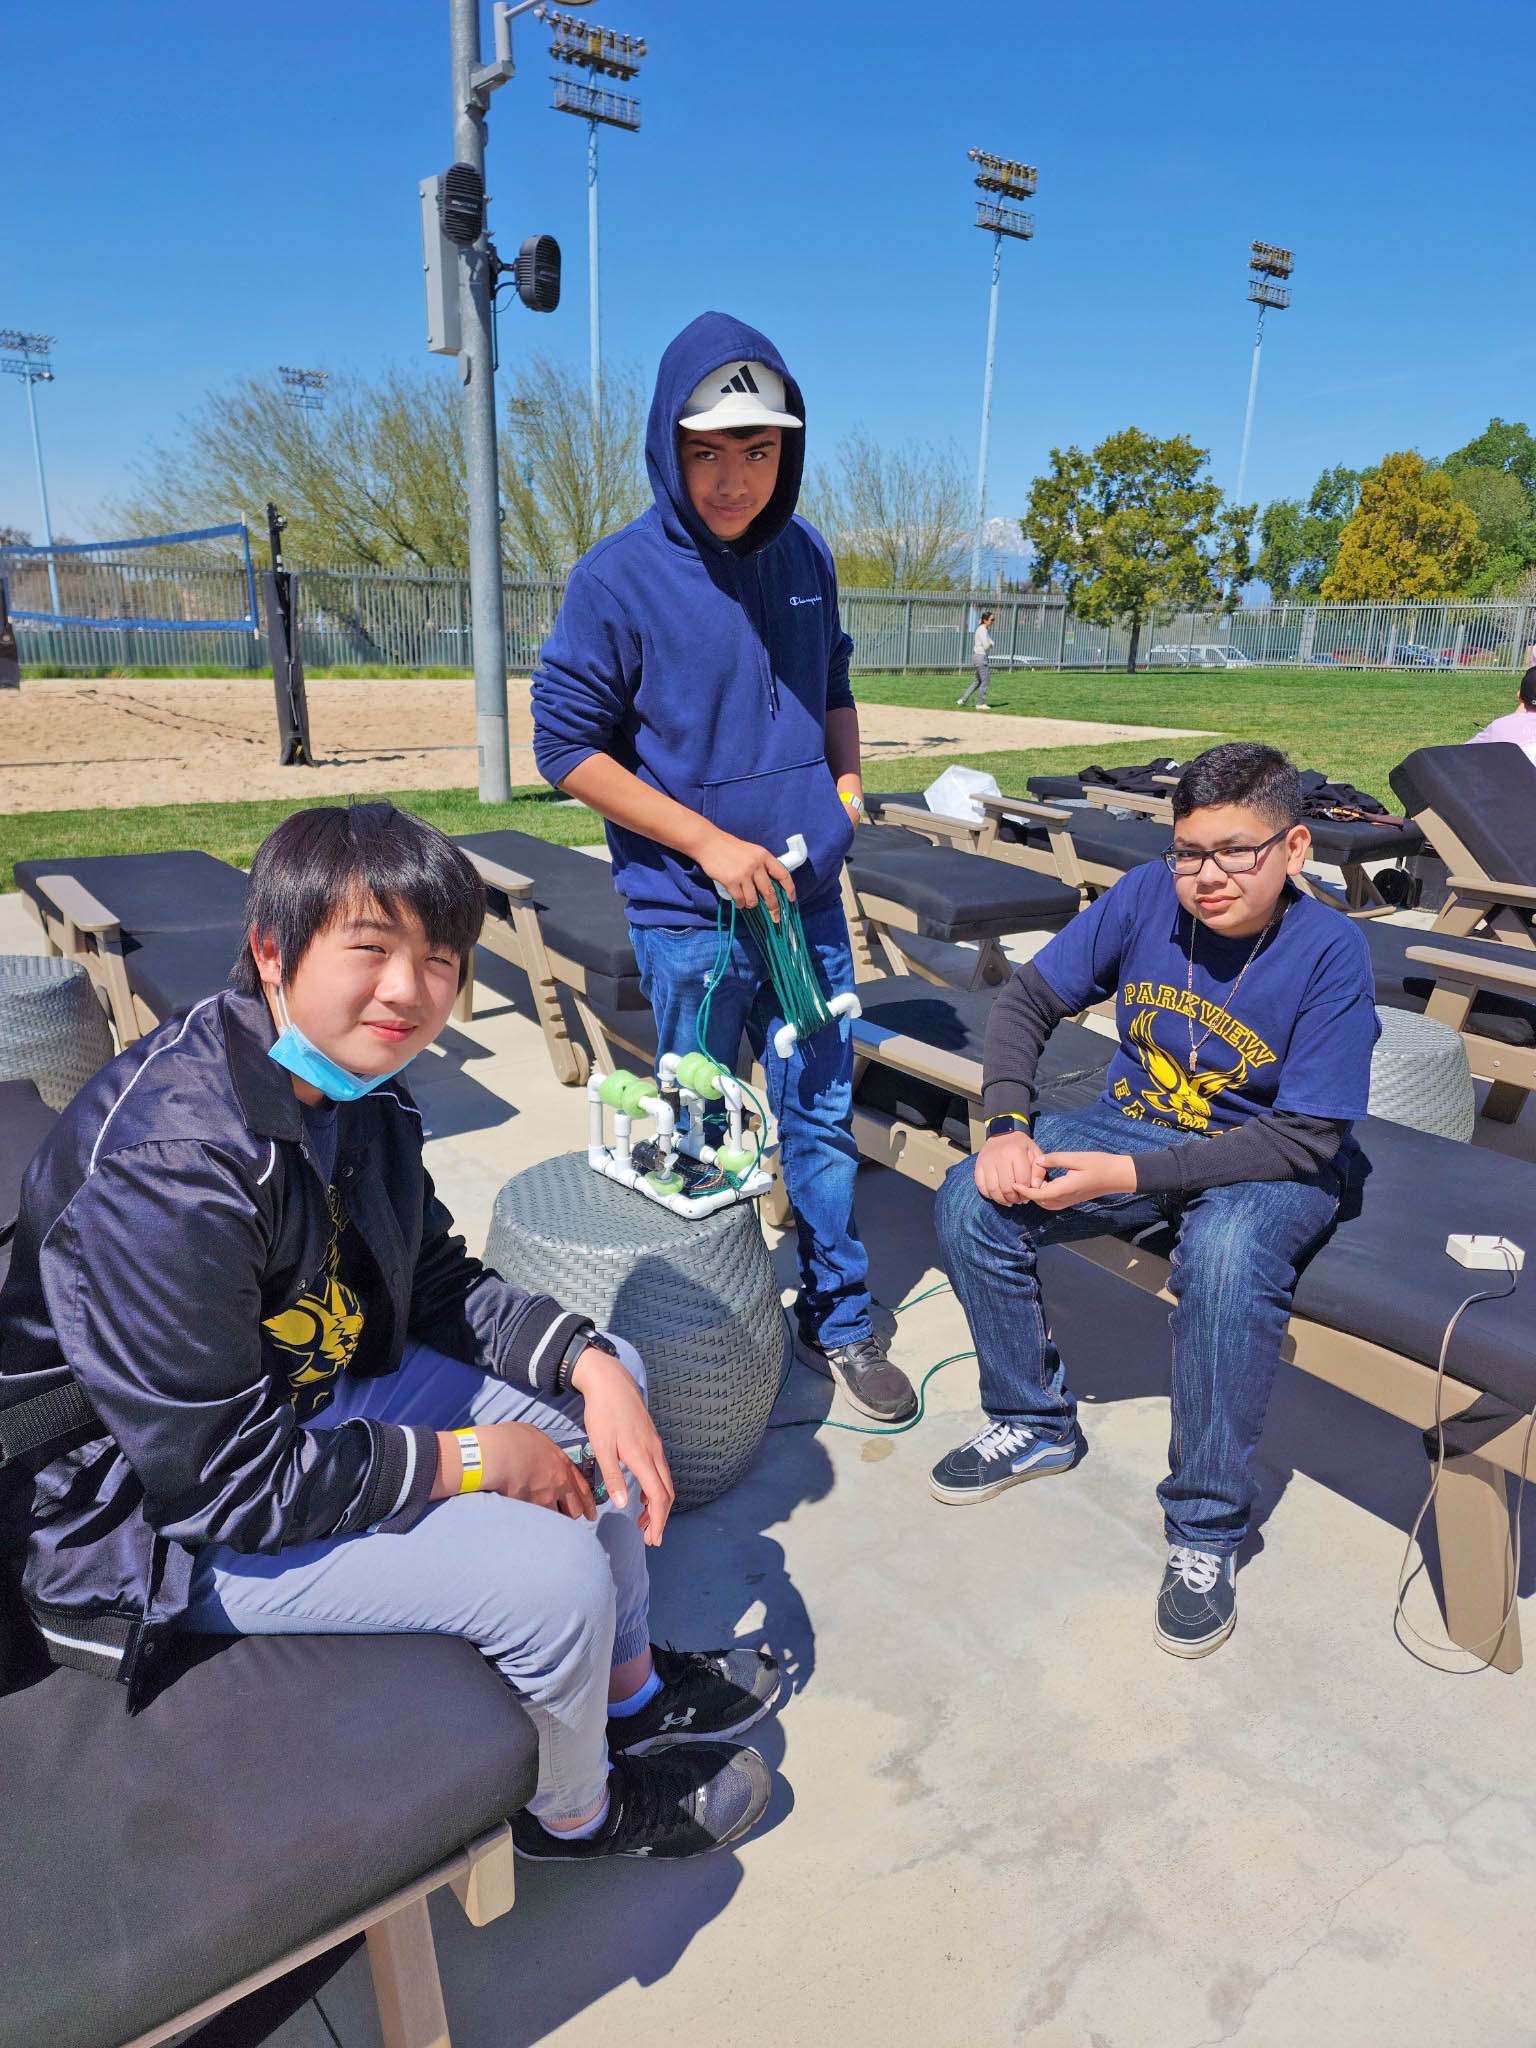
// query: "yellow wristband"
[[472, 1465]]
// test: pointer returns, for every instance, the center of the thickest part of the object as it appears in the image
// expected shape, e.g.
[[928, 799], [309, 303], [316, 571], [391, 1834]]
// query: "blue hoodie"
[[706, 667]]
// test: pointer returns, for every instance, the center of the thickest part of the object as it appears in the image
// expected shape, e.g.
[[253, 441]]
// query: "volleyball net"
[[197, 582]]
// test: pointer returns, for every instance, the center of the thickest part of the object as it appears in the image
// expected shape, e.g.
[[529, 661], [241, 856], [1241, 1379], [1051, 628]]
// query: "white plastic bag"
[[954, 794]]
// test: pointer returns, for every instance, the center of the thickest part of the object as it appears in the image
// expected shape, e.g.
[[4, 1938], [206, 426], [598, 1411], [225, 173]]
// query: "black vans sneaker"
[[704, 1695], [681, 1804], [1197, 1603], [999, 1455], [874, 1386]]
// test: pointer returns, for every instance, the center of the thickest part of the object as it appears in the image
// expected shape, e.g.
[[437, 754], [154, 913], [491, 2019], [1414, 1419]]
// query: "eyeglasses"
[[1232, 860]]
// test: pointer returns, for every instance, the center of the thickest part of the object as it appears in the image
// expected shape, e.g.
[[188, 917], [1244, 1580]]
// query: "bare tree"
[[567, 478], [895, 518]]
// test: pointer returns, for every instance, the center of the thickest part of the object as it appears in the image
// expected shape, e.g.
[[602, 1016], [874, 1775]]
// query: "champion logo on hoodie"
[[807, 600]]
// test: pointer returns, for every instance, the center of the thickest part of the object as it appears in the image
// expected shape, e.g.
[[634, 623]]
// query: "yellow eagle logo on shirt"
[[1185, 1097], [317, 1336]]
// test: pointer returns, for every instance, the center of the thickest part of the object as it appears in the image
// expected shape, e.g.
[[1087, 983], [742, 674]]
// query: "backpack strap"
[[57, 1420]]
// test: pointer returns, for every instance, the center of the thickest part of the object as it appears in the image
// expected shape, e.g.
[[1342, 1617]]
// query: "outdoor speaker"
[[537, 273], [461, 206]]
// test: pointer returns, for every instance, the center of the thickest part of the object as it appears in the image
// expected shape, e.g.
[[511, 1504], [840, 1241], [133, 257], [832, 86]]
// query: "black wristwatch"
[[584, 1340], [1008, 1123]]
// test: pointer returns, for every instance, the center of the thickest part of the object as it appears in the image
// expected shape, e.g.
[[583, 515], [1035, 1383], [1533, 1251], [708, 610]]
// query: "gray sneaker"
[[874, 1386]]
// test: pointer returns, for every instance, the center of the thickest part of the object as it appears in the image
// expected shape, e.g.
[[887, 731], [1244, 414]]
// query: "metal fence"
[[420, 619]]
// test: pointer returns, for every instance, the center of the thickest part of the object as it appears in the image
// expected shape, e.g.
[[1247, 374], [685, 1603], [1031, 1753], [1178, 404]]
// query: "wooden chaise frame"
[[401, 1954]]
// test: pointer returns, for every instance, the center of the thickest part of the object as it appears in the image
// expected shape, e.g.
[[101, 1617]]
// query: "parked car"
[[1199, 654]]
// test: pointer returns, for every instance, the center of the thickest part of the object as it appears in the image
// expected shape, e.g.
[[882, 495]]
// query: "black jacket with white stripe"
[[175, 1208]]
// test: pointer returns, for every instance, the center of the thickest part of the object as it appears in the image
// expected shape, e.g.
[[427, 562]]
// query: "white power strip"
[[1486, 1254]]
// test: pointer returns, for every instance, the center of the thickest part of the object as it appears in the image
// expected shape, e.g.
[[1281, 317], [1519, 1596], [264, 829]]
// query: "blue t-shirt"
[[1297, 1034]]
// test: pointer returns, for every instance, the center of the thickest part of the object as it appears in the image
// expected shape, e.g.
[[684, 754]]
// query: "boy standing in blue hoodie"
[[695, 693]]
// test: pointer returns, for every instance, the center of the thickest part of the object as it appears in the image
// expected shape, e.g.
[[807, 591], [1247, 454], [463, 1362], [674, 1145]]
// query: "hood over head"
[[706, 344]]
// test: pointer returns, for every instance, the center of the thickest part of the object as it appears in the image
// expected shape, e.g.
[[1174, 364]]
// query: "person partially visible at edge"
[[1246, 1016], [981, 662], [695, 692], [1518, 727], [230, 1242]]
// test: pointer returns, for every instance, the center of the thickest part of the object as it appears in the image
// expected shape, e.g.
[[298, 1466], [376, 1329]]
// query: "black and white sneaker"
[[874, 1386], [1197, 1602], [999, 1455], [705, 1694], [681, 1804]]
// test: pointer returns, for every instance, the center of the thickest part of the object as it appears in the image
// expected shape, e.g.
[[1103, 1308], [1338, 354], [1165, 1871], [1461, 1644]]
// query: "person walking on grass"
[[1246, 1020], [981, 662], [316, 1413], [694, 692]]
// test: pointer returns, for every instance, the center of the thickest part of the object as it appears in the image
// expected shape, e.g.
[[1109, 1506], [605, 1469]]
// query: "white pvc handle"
[[794, 856]]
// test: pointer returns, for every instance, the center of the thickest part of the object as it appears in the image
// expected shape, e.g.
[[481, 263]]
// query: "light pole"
[[1010, 180], [1267, 268], [26, 356], [606, 54]]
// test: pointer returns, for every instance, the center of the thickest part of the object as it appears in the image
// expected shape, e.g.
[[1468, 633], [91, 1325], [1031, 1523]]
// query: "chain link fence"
[[420, 619]]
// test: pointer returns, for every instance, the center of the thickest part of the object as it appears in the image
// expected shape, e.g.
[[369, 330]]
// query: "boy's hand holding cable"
[[621, 1432], [746, 872]]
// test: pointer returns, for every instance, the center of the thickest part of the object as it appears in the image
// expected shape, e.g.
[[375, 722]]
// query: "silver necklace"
[[1189, 986]]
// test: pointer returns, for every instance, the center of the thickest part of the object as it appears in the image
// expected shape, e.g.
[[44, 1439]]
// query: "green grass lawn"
[[1355, 725]]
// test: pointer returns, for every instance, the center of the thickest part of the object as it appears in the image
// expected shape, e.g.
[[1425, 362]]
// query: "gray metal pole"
[[1253, 387], [42, 489], [486, 622], [594, 318], [986, 410]]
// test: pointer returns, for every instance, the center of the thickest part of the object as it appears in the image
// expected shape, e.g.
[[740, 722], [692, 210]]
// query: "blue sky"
[[198, 193]]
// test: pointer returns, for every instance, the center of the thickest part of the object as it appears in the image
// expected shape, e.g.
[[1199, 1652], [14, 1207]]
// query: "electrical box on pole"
[[440, 265]]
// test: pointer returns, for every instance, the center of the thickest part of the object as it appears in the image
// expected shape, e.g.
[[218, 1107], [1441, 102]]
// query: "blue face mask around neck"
[[306, 1062]]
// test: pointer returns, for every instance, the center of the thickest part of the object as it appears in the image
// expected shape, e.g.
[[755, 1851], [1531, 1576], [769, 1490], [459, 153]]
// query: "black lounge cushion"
[[580, 911], [1404, 984], [957, 896], [150, 892], [171, 970], [1487, 797], [1385, 1275], [1122, 843], [276, 1787], [1337, 840], [955, 1021], [1047, 789], [25, 1120]]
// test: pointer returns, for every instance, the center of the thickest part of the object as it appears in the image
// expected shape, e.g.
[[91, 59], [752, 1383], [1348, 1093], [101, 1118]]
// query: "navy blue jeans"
[[1234, 1271], [810, 1094]]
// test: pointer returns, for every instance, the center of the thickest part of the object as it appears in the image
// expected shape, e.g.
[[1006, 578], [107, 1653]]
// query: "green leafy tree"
[[567, 478], [896, 519], [1299, 542], [1506, 445], [1136, 527], [1409, 537]]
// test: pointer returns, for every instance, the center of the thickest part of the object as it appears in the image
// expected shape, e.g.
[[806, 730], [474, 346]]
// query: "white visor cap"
[[737, 395]]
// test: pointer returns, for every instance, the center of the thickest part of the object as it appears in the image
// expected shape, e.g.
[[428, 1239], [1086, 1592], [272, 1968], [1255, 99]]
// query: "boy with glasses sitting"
[[1246, 1020]]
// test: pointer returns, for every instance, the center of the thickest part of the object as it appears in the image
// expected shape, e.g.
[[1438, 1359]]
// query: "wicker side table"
[[696, 1298], [52, 1030], [1420, 1076]]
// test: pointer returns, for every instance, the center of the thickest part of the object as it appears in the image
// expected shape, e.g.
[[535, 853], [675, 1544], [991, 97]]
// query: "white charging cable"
[[1400, 1619]]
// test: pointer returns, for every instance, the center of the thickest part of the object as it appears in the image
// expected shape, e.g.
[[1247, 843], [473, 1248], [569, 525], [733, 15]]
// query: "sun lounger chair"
[[279, 1797], [1370, 1309], [1477, 808], [155, 931], [920, 902]]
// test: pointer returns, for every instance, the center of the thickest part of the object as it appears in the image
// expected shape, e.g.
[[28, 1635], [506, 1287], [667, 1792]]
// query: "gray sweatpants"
[[553, 1603], [982, 682]]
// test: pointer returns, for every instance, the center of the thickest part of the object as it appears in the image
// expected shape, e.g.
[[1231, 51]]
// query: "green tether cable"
[[898, 1428]]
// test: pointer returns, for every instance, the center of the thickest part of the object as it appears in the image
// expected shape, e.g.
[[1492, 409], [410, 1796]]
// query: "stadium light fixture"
[[1008, 179], [27, 356], [583, 46], [1269, 268], [306, 388]]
